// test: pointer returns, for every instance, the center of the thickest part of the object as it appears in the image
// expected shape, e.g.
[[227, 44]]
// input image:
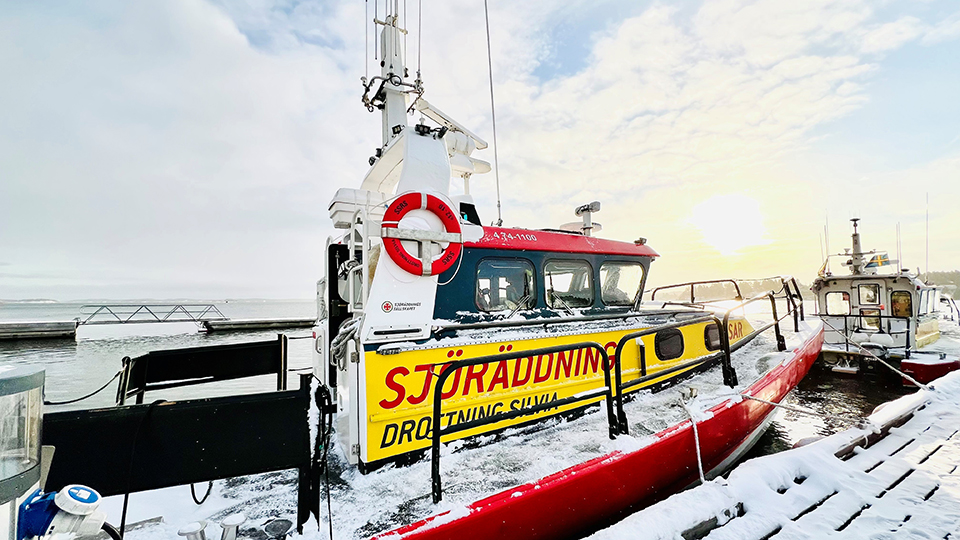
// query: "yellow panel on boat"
[[927, 332], [399, 395]]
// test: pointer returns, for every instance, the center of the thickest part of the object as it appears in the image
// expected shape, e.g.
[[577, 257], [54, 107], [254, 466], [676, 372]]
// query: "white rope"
[[800, 410], [493, 113], [696, 439], [875, 357]]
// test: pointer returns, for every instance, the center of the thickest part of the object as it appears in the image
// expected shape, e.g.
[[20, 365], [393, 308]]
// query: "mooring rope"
[[875, 357], [90, 395], [696, 438], [800, 410]]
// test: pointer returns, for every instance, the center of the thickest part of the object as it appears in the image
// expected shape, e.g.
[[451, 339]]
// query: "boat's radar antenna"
[[586, 212]]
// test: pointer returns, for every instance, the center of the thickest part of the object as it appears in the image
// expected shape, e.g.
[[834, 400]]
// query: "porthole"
[[711, 337], [669, 344]]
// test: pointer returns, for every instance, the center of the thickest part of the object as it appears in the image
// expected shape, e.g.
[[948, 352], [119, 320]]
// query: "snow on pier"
[[895, 477]]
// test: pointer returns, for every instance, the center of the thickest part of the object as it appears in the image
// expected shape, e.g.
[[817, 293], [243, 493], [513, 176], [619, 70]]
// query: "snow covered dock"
[[895, 476]]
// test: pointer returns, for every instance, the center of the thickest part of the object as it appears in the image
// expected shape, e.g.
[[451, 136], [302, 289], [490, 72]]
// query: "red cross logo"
[[387, 307]]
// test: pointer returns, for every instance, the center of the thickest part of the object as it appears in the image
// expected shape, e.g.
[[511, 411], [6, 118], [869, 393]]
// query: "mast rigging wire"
[[493, 113], [419, 34], [366, 40]]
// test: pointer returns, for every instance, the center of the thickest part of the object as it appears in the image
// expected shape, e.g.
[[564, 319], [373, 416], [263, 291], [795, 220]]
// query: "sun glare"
[[729, 223]]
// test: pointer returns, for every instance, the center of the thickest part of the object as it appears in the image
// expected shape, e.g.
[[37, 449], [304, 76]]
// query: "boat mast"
[[393, 71], [856, 257]]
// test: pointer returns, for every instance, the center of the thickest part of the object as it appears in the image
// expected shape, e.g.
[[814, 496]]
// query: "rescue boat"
[[437, 334], [880, 312]]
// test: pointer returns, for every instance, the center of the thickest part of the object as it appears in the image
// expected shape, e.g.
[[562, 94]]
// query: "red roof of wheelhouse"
[[534, 240]]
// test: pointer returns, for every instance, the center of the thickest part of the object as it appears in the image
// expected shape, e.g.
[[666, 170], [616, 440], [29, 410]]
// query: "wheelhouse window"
[[620, 283], [838, 303], [711, 337], [869, 294], [870, 319], [669, 344], [924, 296], [901, 304], [569, 284], [504, 284]]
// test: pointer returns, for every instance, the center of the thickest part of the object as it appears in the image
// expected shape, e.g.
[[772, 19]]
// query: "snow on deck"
[[904, 485]]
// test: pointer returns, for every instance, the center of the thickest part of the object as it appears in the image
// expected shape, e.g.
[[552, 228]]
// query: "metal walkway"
[[149, 313]]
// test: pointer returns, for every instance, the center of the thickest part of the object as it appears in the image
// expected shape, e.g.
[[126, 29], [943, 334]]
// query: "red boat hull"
[[581, 498], [926, 372]]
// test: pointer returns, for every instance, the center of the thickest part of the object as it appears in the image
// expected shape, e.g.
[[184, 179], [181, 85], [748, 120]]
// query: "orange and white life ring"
[[392, 235]]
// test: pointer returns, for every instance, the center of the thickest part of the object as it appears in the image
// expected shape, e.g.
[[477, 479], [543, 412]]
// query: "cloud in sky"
[[186, 148]]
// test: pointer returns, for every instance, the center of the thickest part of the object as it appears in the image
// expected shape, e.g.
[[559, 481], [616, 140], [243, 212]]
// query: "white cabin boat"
[[878, 309]]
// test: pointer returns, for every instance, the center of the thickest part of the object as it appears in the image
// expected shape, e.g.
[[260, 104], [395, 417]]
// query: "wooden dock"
[[238, 325], [895, 477], [38, 330]]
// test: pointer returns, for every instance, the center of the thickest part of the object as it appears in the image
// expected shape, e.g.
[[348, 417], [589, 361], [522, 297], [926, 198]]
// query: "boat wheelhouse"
[[878, 309]]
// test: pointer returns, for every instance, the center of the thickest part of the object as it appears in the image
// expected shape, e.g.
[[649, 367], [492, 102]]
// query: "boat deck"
[[897, 478]]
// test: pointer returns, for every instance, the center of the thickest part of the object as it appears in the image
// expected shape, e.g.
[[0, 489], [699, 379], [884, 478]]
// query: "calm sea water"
[[76, 367]]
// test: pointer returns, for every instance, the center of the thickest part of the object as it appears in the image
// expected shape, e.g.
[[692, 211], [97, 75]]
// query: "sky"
[[190, 149]]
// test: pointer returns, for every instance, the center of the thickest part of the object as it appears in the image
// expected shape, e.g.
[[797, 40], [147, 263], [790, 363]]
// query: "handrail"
[[846, 328], [553, 320], [725, 352], [451, 368], [621, 415], [617, 422], [691, 284]]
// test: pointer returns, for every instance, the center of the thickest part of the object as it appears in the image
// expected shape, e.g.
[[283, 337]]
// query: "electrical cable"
[[91, 394], [111, 531], [193, 494], [493, 113], [133, 453], [321, 449]]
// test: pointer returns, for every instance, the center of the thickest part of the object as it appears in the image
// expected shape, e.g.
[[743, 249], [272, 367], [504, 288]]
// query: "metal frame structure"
[[150, 313], [437, 432], [846, 328]]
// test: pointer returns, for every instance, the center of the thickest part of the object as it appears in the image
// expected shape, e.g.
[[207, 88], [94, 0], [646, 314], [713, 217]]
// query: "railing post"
[[436, 488], [282, 368], [846, 330], [781, 343], [906, 350], [613, 422], [793, 303], [729, 374], [614, 393]]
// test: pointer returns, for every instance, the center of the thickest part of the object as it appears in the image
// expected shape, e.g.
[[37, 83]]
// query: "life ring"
[[391, 240]]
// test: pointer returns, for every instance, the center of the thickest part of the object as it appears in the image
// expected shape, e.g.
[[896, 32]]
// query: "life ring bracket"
[[420, 236]]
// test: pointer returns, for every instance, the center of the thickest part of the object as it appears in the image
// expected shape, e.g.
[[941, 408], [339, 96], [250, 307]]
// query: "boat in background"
[[870, 314]]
